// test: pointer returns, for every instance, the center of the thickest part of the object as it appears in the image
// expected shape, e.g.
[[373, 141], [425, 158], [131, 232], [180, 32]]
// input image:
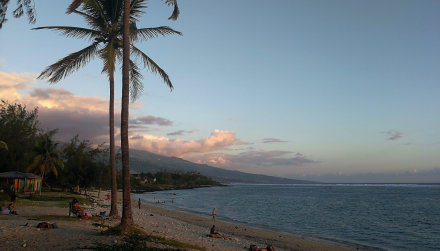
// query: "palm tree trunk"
[[114, 207], [127, 217]]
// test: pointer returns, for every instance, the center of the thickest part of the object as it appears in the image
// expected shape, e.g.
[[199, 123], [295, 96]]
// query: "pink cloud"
[[218, 140]]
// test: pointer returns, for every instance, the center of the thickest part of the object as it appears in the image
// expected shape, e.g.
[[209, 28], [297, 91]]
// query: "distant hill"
[[143, 161]]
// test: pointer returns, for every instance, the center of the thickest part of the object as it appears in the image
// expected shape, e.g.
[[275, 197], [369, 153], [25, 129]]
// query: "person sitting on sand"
[[77, 209], [11, 209], [215, 234], [213, 230]]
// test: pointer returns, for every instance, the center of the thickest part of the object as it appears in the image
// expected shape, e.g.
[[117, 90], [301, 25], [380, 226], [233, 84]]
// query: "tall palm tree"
[[105, 19], [127, 216], [47, 157]]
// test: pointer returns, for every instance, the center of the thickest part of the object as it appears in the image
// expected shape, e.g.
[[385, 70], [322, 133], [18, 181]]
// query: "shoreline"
[[19, 232], [241, 235]]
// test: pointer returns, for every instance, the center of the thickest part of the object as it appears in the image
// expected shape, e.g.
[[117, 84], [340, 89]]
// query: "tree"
[[47, 157], [106, 28], [27, 6], [83, 165], [19, 128]]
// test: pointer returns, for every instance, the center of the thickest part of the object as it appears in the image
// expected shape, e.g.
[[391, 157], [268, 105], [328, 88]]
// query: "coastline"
[[240, 236], [20, 232]]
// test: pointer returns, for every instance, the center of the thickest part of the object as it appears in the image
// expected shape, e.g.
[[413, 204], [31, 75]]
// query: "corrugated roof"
[[15, 174]]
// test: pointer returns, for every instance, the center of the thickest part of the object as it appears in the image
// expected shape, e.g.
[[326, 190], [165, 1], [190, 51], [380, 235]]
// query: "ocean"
[[365, 216]]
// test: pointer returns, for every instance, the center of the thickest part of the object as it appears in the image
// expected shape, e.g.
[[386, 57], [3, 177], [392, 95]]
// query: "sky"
[[333, 91]]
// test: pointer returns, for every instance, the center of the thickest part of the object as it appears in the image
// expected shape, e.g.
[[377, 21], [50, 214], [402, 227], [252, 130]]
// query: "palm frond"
[[150, 64], [72, 31], [73, 6], [136, 9], [93, 20], [176, 10], [95, 7], [69, 64], [108, 57], [149, 33], [136, 77]]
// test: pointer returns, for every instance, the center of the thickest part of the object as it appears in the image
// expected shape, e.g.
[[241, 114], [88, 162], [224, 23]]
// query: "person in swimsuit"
[[213, 215]]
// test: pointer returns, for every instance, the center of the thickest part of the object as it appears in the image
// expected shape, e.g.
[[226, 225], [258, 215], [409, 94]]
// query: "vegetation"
[[19, 127], [47, 157], [170, 180], [23, 6], [76, 164]]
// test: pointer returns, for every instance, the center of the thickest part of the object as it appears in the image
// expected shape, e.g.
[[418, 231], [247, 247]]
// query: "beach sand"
[[181, 226]]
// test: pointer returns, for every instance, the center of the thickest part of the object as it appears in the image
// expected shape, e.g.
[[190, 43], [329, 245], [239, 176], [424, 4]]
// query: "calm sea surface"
[[391, 217]]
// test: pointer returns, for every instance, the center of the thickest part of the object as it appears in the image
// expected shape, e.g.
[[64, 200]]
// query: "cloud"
[[180, 132], [218, 140], [273, 140], [394, 135], [11, 83], [255, 159], [151, 120]]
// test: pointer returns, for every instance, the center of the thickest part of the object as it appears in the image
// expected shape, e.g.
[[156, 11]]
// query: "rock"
[[24, 245]]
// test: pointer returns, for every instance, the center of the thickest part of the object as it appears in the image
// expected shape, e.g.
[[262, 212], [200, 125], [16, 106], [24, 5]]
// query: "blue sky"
[[343, 91]]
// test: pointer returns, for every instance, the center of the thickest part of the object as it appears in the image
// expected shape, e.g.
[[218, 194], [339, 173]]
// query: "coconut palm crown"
[[104, 17]]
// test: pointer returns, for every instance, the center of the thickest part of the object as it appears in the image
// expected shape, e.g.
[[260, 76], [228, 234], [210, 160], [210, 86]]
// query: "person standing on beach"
[[213, 215]]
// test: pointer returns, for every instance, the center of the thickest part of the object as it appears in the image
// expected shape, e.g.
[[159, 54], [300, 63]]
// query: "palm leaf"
[[72, 31], [137, 87], [148, 33], [69, 64], [176, 10], [73, 6], [150, 64], [95, 21], [136, 7]]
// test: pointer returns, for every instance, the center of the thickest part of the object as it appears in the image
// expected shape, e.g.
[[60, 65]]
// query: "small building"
[[21, 182]]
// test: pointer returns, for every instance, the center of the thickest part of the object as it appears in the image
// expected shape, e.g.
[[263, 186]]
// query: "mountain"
[[143, 161]]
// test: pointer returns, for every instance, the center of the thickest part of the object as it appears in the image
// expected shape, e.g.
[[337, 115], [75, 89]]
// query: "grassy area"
[[47, 199]]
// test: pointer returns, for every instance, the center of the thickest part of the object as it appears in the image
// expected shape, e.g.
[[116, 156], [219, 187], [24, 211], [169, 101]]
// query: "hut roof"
[[15, 174]]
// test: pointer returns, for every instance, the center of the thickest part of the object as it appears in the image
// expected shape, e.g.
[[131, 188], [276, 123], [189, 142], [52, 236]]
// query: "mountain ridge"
[[144, 161]]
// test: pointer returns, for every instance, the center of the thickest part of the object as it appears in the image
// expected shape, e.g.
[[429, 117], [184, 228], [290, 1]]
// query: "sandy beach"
[[20, 232]]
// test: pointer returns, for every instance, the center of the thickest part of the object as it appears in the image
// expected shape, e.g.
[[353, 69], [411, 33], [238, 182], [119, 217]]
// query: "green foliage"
[[19, 128], [166, 179], [46, 156], [84, 165]]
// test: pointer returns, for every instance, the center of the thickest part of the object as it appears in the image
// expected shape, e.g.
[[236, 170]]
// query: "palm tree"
[[127, 218], [106, 27], [47, 157]]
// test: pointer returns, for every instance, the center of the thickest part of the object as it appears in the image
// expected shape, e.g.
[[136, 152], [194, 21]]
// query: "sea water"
[[366, 216]]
